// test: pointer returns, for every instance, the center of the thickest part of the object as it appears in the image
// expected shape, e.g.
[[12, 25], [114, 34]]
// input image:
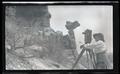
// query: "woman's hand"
[[85, 46], [82, 46]]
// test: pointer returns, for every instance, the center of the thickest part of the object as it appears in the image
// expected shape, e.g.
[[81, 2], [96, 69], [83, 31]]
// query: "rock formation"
[[30, 37], [71, 26]]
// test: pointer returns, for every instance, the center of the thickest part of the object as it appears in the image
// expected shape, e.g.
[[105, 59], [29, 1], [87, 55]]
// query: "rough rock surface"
[[31, 43]]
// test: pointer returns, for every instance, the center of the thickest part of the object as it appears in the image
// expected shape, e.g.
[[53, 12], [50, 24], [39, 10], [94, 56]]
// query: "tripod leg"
[[79, 56], [92, 59], [87, 54]]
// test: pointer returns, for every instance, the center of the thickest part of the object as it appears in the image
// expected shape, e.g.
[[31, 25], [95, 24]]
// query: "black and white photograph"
[[58, 37]]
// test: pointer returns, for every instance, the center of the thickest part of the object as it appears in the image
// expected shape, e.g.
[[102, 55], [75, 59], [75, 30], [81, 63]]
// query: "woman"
[[99, 49]]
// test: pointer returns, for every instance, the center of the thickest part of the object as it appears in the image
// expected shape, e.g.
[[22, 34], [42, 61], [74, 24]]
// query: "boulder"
[[71, 25]]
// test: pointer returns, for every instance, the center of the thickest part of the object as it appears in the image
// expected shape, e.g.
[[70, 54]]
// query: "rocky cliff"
[[31, 43]]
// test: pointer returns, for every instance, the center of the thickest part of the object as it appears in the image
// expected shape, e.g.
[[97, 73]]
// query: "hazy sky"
[[98, 18]]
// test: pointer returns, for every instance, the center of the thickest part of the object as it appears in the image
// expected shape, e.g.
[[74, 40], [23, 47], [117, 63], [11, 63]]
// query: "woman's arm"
[[93, 45], [98, 46]]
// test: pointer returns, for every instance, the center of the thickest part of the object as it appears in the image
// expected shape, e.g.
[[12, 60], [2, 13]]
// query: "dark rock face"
[[34, 15], [29, 36]]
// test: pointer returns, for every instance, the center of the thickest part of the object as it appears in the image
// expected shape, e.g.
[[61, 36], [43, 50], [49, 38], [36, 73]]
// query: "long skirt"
[[101, 61]]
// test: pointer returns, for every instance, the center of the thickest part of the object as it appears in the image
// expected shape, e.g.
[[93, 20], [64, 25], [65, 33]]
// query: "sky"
[[98, 18]]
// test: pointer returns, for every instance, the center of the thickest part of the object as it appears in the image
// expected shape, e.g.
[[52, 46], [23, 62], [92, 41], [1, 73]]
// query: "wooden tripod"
[[80, 55]]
